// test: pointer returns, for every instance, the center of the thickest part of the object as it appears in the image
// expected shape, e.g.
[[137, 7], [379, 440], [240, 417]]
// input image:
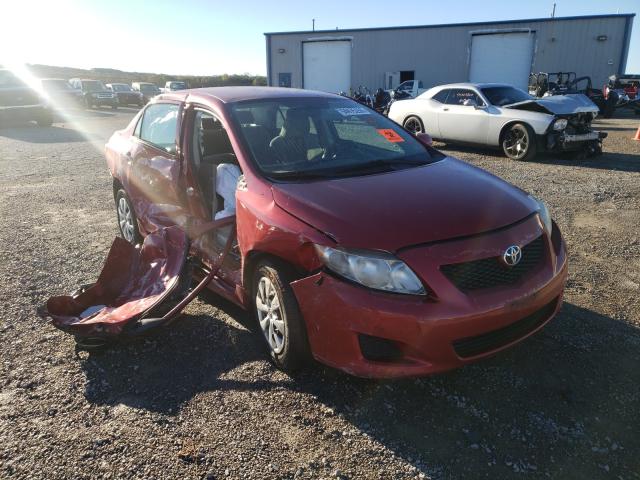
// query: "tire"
[[610, 105], [114, 107], [519, 142], [413, 124], [127, 220], [280, 322]]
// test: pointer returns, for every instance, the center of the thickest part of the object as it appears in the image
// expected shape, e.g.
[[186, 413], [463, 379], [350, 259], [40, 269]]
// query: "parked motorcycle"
[[363, 96]]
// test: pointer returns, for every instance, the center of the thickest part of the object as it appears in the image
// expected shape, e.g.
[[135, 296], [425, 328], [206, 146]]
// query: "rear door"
[[459, 120], [154, 179]]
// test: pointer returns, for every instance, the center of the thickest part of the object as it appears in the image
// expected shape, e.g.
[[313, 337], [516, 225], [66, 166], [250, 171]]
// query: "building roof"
[[470, 24]]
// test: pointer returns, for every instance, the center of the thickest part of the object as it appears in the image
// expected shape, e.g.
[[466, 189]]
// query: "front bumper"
[[561, 141], [129, 99], [428, 332], [109, 101]]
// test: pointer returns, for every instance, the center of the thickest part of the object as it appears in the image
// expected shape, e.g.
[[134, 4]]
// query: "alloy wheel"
[[270, 315], [516, 143], [413, 125], [125, 219]]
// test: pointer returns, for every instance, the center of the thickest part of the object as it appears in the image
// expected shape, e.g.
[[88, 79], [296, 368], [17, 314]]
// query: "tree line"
[[109, 75]]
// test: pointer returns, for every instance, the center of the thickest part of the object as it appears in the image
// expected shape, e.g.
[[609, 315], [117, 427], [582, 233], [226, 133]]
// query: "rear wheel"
[[519, 142], [279, 317], [127, 220], [413, 124]]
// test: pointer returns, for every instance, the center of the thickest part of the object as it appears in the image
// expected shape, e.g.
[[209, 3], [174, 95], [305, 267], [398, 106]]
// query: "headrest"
[[210, 123], [245, 117], [297, 121]]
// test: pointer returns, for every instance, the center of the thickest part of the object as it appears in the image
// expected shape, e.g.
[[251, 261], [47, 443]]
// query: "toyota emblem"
[[512, 256]]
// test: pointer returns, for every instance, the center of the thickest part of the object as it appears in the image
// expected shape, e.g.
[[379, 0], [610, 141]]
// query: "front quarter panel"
[[539, 122], [265, 228]]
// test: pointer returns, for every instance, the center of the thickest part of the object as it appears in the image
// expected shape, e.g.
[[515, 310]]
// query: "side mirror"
[[480, 107], [424, 138]]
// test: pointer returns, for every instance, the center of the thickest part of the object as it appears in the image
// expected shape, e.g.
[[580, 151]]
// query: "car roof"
[[118, 83], [474, 85], [238, 94]]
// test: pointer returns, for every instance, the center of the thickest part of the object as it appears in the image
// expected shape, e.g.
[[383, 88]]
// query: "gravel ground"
[[200, 400]]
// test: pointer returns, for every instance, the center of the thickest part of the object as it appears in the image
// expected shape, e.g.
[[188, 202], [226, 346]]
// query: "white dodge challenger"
[[500, 115]]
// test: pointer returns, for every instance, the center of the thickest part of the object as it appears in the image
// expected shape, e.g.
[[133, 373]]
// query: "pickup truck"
[[20, 102], [409, 89]]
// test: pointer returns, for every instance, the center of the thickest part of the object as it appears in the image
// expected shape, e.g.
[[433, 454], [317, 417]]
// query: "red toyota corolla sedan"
[[358, 244]]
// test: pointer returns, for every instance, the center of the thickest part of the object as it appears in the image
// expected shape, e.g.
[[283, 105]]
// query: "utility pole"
[[313, 24]]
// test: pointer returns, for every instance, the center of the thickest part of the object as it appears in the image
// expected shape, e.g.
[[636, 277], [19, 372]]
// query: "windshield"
[[118, 87], [93, 86], [298, 138], [54, 84], [177, 85], [500, 96], [148, 88]]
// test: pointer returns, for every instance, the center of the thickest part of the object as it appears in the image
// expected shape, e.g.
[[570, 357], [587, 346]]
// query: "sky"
[[212, 37]]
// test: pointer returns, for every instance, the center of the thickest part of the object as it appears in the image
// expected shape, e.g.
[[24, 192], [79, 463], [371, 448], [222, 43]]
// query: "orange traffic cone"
[[637, 137]]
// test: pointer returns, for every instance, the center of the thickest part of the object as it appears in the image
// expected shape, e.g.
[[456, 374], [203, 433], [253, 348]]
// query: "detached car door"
[[154, 180], [460, 120]]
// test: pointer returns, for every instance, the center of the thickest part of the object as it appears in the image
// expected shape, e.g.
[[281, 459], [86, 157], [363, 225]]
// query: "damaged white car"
[[503, 116]]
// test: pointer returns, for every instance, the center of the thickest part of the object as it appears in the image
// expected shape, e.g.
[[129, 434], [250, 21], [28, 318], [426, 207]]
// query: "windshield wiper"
[[375, 166], [381, 165], [301, 174]]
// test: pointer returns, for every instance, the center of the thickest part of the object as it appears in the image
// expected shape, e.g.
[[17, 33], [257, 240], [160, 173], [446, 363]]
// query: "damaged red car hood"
[[389, 211]]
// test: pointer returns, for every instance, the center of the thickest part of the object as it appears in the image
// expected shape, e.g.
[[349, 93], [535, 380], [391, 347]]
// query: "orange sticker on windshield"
[[390, 135]]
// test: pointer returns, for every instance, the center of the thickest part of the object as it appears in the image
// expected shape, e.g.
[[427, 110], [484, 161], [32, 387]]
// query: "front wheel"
[[519, 142], [413, 124], [279, 317], [127, 220]]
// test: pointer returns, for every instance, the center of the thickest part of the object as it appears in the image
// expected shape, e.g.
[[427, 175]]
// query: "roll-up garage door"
[[502, 58], [327, 65]]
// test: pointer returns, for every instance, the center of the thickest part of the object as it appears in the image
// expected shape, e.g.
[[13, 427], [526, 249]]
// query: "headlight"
[[543, 213], [560, 124], [94, 95], [375, 270]]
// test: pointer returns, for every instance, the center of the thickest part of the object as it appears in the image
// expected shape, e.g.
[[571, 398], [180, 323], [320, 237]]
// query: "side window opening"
[[215, 162], [158, 126], [462, 97], [441, 96]]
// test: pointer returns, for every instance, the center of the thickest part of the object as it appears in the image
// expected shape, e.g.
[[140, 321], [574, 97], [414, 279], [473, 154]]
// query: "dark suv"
[[95, 93], [19, 102]]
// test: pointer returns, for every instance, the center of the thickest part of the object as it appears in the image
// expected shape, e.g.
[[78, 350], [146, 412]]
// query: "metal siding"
[[441, 54]]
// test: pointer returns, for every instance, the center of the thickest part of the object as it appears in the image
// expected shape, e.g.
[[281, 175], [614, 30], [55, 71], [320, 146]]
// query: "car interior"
[[211, 147]]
